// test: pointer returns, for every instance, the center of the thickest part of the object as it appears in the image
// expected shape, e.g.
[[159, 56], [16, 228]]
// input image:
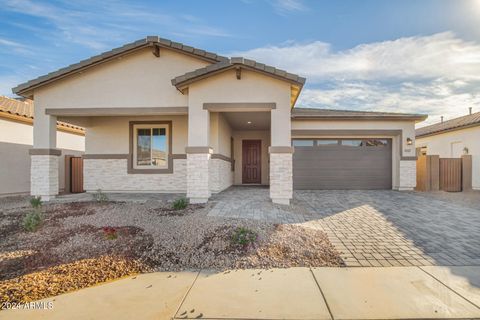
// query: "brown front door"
[[251, 161]]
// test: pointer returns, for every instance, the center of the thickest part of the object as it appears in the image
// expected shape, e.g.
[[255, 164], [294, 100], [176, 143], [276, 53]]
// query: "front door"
[[251, 161]]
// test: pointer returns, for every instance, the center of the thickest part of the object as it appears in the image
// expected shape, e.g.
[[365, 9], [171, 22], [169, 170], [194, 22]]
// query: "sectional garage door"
[[342, 164]]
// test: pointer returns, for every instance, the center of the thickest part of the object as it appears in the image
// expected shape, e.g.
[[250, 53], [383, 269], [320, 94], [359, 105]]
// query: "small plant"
[[180, 204], [110, 233], [243, 237], [36, 202], [99, 196], [32, 221]]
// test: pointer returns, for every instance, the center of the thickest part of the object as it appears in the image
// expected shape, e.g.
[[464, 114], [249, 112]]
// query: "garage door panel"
[[342, 167]]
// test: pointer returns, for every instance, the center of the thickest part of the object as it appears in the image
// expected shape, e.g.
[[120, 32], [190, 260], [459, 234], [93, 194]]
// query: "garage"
[[340, 164]]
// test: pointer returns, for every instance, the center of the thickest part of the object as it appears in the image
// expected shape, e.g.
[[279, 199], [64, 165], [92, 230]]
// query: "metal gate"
[[76, 174], [450, 174]]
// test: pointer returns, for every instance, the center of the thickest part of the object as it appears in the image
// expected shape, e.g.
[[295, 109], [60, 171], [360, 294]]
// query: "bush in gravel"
[[110, 233], [243, 237], [180, 204], [36, 202], [32, 221], [99, 196]]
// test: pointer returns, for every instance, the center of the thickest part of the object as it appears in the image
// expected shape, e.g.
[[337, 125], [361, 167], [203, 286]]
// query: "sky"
[[414, 56]]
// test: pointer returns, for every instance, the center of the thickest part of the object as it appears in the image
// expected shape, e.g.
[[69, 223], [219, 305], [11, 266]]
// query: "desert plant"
[[180, 203], [110, 233], [32, 221], [99, 196], [243, 237], [36, 202]]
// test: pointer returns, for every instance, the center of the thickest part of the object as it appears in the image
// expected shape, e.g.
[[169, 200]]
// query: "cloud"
[[437, 74], [287, 6]]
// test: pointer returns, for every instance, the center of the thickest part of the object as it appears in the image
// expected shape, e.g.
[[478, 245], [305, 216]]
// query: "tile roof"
[[449, 125], [25, 109], [232, 63], [149, 41], [315, 113]]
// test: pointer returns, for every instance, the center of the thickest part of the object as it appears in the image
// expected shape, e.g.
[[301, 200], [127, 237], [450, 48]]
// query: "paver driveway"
[[370, 228]]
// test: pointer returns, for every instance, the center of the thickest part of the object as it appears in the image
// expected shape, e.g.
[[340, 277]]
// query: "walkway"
[[295, 293]]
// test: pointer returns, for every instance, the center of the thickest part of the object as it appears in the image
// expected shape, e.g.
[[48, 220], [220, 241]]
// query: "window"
[[302, 143], [376, 142], [151, 146], [352, 143], [327, 142]]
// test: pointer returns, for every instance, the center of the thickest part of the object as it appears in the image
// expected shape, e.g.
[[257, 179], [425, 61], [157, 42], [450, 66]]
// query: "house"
[[452, 139], [161, 116], [16, 139]]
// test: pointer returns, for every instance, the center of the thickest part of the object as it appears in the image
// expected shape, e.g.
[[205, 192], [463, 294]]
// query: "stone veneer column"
[[281, 174], [408, 175], [44, 173], [198, 177]]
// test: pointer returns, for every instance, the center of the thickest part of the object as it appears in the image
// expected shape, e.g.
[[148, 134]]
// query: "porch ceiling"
[[240, 120]]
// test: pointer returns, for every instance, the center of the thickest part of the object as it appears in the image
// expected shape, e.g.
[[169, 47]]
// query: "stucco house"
[[161, 116], [452, 139], [16, 139]]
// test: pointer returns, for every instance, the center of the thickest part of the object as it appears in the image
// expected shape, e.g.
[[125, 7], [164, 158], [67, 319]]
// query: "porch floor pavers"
[[370, 228]]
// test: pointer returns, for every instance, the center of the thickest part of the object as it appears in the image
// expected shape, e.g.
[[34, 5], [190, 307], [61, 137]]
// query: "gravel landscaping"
[[80, 244]]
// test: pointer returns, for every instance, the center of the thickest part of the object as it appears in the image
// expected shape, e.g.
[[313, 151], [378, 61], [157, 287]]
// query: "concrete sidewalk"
[[295, 293]]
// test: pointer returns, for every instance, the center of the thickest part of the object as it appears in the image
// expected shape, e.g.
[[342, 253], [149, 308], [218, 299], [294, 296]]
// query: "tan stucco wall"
[[238, 137], [251, 88], [407, 127], [15, 140], [136, 80], [110, 135], [451, 144], [220, 134]]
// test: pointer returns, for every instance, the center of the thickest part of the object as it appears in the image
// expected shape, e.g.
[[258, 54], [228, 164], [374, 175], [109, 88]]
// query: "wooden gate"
[[76, 174], [451, 174]]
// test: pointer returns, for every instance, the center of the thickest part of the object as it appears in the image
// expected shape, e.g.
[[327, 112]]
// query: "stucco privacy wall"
[[238, 137], [451, 144], [15, 142], [403, 171]]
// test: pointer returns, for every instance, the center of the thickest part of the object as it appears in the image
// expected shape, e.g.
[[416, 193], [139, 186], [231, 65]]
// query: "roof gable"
[[154, 42]]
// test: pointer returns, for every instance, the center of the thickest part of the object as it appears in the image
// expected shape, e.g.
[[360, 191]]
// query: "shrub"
[[32, 221], [110, 233], [180, 203], [99, 196], [36, 202], [243, 237]]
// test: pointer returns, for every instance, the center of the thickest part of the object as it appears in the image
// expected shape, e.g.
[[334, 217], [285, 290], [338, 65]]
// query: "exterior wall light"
[[409, 141]]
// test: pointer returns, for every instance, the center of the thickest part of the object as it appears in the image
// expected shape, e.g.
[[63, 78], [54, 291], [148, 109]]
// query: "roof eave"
[[416, 118], [472, 125]]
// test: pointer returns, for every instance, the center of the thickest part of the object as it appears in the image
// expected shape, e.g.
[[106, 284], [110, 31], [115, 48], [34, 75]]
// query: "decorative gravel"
[[70, 250]]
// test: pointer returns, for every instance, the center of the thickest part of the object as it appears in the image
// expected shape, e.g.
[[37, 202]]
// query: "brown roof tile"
[[449, 125], [25, 108]]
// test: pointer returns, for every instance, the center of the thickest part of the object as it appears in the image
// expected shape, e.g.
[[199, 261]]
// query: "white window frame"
[[135, 140]]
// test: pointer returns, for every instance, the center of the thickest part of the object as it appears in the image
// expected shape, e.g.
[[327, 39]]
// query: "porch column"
[[44, 156], [281, 156], [198, 154]]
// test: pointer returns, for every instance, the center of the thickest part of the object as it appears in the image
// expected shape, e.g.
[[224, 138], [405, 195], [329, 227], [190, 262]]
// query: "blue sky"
[[403, 56]]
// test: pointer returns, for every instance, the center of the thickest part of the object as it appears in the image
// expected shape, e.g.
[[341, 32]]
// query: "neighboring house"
[[161, 116], [16, 139], [452, 139]]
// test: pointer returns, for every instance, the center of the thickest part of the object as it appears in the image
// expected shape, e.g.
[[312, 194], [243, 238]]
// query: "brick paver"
[[370, 228]]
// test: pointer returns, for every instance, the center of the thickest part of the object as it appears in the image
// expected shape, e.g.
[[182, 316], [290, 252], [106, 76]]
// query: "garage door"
[[342, 164]]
